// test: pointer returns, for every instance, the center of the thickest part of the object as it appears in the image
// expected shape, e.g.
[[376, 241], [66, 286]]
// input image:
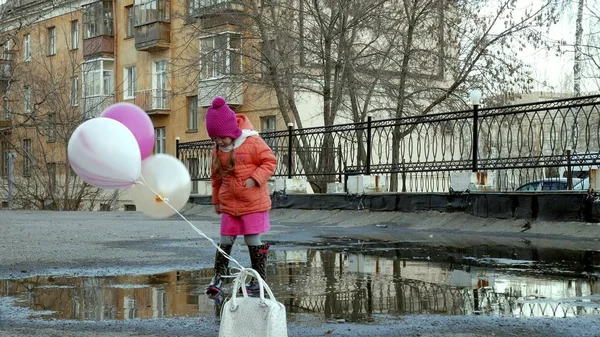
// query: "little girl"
[[242, 163]]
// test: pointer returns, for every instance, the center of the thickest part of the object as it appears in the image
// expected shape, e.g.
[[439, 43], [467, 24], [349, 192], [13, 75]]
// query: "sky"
[[557, 70]]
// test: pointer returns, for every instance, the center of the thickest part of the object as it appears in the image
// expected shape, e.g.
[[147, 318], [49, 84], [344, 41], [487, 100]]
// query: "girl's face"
[[223, 141]]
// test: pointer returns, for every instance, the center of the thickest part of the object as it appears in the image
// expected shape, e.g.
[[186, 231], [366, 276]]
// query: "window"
[[161, 140], [27, 48], [208, 3], [98, 19], [27, 99], [51, 41], [7, 51], [74, 34], [97, 86], [221, 55], [149, 11], [5, 113], [192, 113], [268, 57], [129, 82], [97, 77], [74, 91], [192, 7], [160, 75], [51, 127], [129, 14], [268, 124], [27, 162], [159, 85], [52, 176], [5, 151], [5, 67]]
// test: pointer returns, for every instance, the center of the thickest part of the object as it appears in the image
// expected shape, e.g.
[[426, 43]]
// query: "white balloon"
[[105, 154], [163, 177]]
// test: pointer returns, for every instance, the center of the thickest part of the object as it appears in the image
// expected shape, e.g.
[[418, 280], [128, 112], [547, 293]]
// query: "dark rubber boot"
[[258, 257], [221, 264]]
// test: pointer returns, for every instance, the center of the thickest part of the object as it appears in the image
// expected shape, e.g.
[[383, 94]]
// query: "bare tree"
[[43, 95], [391, 58], [584, 16], [590, 47], [578, 40]]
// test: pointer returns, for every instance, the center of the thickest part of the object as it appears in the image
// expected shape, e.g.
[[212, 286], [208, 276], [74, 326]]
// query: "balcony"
[[154, 36], [154, 101], [103, 45], [98, 30], [231, 88], [94, 106], [152, 25], [209, 8]]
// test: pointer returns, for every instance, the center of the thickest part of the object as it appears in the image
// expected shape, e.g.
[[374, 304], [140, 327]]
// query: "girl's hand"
[[250, 182], [218, 208]]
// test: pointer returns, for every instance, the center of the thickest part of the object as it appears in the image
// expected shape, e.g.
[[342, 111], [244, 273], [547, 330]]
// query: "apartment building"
[[65, 62]]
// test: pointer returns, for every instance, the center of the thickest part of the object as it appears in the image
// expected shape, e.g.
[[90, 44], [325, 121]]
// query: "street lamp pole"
[[475, 98]]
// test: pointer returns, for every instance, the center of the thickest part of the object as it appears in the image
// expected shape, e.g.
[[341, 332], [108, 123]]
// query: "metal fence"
[[514, 144]]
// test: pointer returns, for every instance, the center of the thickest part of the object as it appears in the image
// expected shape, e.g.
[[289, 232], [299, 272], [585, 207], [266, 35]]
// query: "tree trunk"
[[578, 38]]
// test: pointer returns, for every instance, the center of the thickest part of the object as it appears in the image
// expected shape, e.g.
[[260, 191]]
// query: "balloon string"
[[166, 201]]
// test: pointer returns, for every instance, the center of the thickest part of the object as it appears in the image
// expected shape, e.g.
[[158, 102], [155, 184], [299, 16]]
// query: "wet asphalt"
[[113, 243]]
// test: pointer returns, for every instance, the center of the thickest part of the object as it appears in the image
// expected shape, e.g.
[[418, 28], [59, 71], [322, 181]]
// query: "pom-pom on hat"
[[221, 120]]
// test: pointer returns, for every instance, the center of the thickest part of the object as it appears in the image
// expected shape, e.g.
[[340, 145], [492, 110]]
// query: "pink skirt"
[[253, 223]]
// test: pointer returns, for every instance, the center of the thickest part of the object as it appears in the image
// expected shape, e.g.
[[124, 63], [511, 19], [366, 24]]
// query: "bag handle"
[[240, 282]]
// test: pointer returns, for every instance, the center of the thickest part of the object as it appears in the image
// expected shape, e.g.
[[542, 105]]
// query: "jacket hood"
[[243, 122], [247, 131]]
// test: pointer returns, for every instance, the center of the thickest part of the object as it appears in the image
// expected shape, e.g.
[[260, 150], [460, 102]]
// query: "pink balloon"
[[137, 121]]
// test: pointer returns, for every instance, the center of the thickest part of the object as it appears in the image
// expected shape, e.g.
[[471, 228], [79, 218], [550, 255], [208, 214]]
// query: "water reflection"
[[334, 284]]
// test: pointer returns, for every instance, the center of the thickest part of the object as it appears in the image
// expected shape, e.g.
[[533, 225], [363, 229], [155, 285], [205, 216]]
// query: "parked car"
[[548, 184]]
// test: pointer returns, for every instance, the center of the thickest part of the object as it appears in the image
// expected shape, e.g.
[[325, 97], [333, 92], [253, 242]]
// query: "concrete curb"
[[554, 207]]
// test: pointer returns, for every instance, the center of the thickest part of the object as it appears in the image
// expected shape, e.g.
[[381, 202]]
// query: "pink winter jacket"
[[253, 159]]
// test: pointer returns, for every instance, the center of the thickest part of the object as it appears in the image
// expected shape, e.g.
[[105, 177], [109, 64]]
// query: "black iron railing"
[[515, 144]]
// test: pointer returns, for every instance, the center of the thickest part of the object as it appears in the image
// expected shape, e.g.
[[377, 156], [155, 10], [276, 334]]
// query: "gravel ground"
[[77, 243]]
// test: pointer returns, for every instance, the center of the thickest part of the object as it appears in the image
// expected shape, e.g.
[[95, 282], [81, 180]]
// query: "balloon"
[[104, 153], [162, 176], [137, 121]]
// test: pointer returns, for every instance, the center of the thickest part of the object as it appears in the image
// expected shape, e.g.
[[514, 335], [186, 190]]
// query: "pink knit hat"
[[221, 121]]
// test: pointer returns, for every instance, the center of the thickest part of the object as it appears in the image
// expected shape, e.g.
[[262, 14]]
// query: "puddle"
[[351, 284]]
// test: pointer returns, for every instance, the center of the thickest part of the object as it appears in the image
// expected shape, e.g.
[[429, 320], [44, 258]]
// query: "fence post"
[[403, 176], [475, 136], [569, 173], [475, 96], [341, 165], [369, 120], [177, 147], [289, 159]]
